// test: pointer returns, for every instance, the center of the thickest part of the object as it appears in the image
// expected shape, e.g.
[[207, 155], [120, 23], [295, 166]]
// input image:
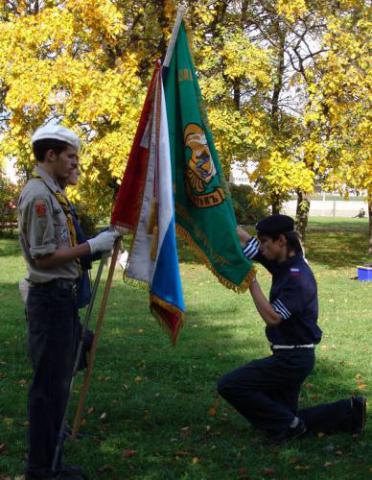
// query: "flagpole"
[[180, 13], [88, 314], [93, 350]]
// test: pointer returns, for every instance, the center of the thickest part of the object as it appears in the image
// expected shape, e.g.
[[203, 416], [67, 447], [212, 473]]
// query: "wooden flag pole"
[[93, 350], [172, 42], [88, 314]]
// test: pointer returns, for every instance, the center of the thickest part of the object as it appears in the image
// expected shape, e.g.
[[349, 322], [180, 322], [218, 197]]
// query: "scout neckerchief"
[[65, 204]]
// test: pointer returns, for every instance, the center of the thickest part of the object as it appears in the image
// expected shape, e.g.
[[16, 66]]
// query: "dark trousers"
[[266, 393], [53, 332]]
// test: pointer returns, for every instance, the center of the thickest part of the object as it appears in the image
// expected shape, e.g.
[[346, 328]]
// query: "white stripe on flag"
[[164, 167], [140, 265]]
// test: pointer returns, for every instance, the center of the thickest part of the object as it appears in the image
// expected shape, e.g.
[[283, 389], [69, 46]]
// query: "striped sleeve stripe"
[[281, 309], [252, 247]]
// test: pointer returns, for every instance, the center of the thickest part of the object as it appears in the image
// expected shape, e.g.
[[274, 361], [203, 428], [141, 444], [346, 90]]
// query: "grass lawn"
[[152, 410]]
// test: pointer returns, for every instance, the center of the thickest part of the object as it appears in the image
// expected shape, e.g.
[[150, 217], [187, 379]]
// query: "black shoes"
[[358, 414], [65, 472], [289, 434]]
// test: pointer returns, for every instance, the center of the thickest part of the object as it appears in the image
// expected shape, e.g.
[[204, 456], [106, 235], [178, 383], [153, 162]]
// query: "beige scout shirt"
[[43, 228]]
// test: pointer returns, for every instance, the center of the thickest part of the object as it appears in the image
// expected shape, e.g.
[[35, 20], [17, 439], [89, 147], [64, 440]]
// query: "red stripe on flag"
[[129, 198]]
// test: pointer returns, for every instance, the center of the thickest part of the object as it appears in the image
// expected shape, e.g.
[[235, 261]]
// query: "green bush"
[[9, 193], [248, 205]]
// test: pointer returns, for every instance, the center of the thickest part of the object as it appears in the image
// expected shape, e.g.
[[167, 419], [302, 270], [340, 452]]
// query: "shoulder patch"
[[40, 208], [295, 272]]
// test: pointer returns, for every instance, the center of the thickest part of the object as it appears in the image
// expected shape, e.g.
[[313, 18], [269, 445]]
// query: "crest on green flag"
[[204, 212]]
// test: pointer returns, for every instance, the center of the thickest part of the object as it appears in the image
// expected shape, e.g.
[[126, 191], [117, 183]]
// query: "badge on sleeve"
[[295, 272], [40, 208]]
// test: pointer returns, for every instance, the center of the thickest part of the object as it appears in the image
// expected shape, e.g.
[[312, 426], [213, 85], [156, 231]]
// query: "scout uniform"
[[266, 391], [43, 228], [53, 326]]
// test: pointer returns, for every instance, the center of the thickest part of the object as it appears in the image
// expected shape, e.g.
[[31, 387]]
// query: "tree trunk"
[[302, 214], [276, 199], [276, 204], [370, 224]]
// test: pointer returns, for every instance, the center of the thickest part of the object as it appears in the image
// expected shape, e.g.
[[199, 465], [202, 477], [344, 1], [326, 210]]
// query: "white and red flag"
[[145, 205]]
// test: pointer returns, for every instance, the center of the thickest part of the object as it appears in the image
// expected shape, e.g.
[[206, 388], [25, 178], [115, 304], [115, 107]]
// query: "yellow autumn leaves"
[[87, 63]]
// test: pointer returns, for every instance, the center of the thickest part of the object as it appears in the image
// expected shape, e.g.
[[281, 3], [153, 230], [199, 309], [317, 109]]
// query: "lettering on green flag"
[[204, 212]]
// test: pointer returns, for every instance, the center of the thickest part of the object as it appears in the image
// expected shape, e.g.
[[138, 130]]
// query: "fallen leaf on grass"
[[8, 421], [182, 453], [269, 471], [105, 468], [302, 467], [129, 453], [361, 386], [138, 379], [243, 473], [2, 447], [103, 416], [329, 448], [90, 410], [212, 411], [195, 460], [185, 432], [328, 464]]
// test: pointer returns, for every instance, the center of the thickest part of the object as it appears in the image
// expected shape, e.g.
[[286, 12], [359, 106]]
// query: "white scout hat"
[[56, 132]]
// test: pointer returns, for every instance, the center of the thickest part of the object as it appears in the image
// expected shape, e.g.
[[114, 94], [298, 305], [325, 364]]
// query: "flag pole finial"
[[180, 14]]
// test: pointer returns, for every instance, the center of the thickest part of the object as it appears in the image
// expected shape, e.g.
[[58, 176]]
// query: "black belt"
[[64, 283]]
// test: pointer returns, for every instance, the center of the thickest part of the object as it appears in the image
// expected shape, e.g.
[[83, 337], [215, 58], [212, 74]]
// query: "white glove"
[[24, 285], [103, 242]]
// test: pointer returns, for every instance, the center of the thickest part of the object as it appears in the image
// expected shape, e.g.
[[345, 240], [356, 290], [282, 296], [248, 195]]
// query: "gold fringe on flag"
[[185, 235], [171, 330]]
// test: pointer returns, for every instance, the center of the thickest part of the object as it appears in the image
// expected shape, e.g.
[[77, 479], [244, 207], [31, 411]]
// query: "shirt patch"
[[64, 234], [295, 272], [40, 209]]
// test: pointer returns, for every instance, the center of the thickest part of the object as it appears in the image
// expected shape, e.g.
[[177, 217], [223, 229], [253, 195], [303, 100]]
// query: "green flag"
[[204, 212]]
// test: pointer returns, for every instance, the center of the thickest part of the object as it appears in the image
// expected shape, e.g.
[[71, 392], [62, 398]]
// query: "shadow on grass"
[[337, 249], [153, 411]]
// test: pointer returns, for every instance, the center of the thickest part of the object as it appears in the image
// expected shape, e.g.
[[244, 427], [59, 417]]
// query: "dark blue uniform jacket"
[[293, 295], [84, 289]]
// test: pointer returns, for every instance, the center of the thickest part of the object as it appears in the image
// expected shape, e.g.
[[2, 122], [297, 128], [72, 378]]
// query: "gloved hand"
[[103, 242]]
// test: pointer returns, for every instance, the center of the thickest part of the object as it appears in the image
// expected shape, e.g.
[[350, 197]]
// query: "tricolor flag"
[[145, 205]]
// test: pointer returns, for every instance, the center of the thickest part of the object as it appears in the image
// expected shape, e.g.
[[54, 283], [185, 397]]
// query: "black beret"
[[275, 224]]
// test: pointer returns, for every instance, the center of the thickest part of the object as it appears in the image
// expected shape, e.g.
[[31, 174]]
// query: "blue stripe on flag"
[[166, 283]]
